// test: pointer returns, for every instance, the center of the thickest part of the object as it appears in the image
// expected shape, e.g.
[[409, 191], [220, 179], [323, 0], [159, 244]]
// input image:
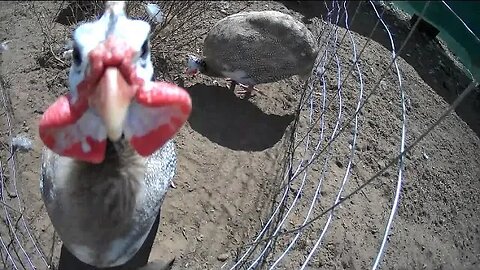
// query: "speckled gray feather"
[[259, 47], [104, 212]]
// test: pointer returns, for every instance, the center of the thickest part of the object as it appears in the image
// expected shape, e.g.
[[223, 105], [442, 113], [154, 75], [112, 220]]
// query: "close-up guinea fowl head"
[[195, 65], [112, 94]]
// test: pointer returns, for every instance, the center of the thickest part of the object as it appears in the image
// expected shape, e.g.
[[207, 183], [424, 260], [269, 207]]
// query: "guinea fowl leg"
[[249, 90], [232, 84]]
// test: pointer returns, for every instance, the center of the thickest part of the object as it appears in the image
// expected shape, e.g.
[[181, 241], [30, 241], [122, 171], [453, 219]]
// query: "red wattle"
[[163, 96], [59, 114], [56, 127]]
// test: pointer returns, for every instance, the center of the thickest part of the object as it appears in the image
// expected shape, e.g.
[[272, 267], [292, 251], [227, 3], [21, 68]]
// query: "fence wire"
[[306, 150], [18, 244], [326, 119]]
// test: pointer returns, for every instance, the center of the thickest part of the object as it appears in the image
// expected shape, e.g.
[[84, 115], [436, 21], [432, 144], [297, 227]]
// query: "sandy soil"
[[230, 151]]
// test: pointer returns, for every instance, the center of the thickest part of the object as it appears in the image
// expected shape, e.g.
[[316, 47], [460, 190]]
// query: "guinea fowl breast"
[[260, 47], [98, 209]]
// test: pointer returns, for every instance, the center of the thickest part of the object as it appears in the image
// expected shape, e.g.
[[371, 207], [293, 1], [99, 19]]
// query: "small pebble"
[[381, 164], [339, 164], [22, 143], [67, 54], [223, 257], [4, 46]]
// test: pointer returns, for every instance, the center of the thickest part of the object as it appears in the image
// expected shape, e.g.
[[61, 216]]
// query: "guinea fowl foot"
[[248, 91], [232, 84]]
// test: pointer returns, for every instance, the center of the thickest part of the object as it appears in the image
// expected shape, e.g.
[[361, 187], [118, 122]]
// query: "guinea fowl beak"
[[191, 73], [111, 100]]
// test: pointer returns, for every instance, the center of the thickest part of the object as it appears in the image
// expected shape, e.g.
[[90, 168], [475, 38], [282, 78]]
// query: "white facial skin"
[[88, 35], [193, 65], [113, 96]]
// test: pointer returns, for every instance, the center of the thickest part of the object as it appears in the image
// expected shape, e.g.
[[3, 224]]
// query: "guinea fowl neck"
[[119, 156], [111, 186], [206, 70], [115, 149]]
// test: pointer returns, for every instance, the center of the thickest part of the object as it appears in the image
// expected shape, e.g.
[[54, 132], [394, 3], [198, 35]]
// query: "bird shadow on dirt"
[[232, 122], [426, 56]]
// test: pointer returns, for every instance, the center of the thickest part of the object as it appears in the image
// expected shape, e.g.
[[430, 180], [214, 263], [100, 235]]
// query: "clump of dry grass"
[[179, 18], [173, 34], [57, 23]]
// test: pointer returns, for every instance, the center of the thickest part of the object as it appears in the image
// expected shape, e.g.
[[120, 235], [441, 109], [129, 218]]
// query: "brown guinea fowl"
[[109, 158], [250, 48]]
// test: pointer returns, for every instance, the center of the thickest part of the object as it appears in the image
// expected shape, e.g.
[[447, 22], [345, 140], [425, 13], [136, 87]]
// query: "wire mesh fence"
[[19, 248], [279, 236], [319, 179]]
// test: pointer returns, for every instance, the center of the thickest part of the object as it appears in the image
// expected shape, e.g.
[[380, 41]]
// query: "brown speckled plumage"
[[266, 46]]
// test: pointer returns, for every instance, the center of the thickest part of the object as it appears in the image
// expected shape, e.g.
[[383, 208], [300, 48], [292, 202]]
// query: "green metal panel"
[[462, 42]]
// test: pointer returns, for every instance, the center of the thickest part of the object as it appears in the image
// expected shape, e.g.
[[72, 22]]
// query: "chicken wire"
[[306, 159]]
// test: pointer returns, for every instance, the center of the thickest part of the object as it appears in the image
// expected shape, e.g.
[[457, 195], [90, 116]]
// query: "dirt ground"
[[230, 151]]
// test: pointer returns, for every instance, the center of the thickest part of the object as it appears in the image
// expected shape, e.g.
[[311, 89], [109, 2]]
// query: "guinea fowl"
[[250, 48], [109, 158]]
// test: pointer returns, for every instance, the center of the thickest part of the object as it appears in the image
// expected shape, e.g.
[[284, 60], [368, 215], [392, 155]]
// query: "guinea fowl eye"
[[145, 49], [77, 58]]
